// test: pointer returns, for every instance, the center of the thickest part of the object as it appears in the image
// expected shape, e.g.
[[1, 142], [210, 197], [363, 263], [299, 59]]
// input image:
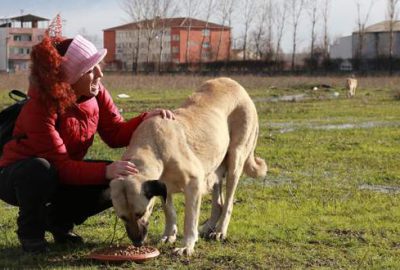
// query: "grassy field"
[[331, 199]]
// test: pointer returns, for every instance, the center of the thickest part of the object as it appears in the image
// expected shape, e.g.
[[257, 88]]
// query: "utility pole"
[[7, 54]]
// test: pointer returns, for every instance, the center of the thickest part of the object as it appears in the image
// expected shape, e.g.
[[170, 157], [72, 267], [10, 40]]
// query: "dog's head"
[[133, 201]]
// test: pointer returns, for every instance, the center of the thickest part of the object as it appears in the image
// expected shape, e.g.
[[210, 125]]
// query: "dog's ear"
[[155, 188]]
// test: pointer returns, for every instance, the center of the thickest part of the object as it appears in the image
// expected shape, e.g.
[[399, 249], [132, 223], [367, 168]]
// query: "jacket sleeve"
[[112, 128], [43, 140]]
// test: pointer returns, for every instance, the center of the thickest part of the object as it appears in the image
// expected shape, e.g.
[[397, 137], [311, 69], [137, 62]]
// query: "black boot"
[[65, 236], [34, 246]]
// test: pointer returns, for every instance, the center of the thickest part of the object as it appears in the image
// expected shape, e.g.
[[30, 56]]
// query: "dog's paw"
[[184, 251], [206, 232], [168, 239], [218, 236]]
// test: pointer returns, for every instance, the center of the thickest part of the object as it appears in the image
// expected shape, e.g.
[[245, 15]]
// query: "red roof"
[[169, 22]]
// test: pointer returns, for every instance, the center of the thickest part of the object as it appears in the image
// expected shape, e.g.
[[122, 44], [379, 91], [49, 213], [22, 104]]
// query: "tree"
[[312, 10], [210, 7], [296, 10], [270, 33], [263, 16], [392, 14], [167, 9], [133, 8], [225, 8], [148, 17], [281, 11], [191, 8], [361, 25], [248, 16], [325, 17]]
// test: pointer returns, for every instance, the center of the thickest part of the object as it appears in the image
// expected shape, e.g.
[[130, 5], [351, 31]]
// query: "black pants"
[[32, 185]]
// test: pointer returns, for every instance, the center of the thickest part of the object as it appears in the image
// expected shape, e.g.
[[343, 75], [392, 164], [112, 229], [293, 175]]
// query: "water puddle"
[[269, 181], [290, 127], [380, 188], [293, 98]]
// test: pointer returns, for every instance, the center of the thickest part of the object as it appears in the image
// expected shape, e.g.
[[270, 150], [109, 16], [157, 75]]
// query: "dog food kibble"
[[127, 250]]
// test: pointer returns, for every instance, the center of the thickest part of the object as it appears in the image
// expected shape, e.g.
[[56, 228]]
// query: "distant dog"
[[351, 86], [213, 137]]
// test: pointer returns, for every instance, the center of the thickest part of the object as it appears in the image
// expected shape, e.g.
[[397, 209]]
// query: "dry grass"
[[128, 81]]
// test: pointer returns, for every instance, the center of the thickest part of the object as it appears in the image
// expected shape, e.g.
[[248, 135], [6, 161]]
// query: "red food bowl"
[[124, 253]]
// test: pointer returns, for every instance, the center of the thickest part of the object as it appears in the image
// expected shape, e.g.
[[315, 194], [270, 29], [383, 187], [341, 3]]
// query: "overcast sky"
[[96, 15]]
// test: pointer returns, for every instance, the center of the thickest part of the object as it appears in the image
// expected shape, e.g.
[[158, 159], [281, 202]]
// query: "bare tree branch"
[[296, 10], [191, 8], [248, 16], [206, 33], [225, 8], [392, 14], [361, 25], [325, 16], [312, 10], [281, 12]]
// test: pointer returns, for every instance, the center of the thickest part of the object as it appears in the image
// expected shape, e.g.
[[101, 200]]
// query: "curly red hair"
[[47, 75]]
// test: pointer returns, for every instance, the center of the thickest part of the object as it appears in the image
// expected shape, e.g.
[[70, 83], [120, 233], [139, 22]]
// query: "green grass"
[[309, 213]]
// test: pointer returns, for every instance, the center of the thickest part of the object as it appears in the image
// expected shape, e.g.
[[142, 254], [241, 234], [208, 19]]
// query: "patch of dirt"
[[346, 233]]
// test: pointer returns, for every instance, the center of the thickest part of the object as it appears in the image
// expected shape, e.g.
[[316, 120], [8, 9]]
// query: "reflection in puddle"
[[380, 188], [290, 127]]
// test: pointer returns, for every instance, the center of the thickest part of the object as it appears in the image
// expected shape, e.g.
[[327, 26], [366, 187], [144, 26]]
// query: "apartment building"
[[165, 40], [17, 37]]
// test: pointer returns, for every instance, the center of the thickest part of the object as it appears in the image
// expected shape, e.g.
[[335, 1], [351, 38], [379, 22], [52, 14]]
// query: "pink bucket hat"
[[80, 57]]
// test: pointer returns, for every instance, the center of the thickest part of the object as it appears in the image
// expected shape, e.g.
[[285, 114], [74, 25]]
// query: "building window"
[[175, 49], [206, 44], [205, 55], [175, 37], [23, 37], [19, 51], [206, 32]]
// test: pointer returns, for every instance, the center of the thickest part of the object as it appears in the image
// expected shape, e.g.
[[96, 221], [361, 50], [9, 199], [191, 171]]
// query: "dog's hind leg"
[[171, 229], [217, 203], [235, 168]]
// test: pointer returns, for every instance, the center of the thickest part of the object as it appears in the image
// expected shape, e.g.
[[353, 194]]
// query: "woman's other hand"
[[120, 168], [165, 114]]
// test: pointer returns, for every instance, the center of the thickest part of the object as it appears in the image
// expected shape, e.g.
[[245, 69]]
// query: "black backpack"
[[9, 115]]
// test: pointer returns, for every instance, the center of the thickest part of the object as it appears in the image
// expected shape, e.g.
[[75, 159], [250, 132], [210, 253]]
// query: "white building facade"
[[17, 37]]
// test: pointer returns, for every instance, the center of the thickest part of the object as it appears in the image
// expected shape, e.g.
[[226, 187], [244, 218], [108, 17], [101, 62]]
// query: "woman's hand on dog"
[[165, 114], [120, 168]]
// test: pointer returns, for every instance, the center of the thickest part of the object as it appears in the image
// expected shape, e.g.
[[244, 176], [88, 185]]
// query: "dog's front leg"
[[192, 212], [171, 228]]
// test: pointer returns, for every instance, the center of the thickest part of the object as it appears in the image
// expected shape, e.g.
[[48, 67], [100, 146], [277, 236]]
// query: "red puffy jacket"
[[64, 139]]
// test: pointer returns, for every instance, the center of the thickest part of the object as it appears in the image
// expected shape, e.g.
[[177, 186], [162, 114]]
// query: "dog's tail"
[[255, 166]]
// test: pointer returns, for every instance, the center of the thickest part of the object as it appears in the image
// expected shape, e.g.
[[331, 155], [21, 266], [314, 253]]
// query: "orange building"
[[166, 41]]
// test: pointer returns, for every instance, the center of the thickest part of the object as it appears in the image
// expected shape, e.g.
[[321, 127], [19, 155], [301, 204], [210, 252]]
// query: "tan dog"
[[213, 137], [351, 86]]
